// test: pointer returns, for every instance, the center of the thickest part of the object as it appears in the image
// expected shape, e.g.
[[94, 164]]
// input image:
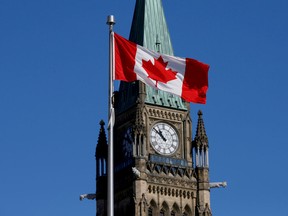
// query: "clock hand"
[[160, 134]]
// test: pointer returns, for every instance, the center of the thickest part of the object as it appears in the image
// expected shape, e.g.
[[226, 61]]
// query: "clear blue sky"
[[53, 93]]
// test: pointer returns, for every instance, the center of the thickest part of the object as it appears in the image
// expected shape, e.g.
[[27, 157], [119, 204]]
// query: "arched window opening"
[[164, 209], [100, 167], [187, 211], [152, 210]]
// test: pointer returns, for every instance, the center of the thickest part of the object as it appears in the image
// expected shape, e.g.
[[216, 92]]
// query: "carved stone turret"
[[200, 143], [101, 153], [101, 171], [200, 147]]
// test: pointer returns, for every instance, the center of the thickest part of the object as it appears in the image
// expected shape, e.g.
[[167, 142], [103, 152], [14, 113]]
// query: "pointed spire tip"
[[102, 123]]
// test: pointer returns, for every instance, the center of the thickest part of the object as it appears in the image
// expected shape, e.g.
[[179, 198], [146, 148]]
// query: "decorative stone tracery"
[[165, 114], [168, 191]]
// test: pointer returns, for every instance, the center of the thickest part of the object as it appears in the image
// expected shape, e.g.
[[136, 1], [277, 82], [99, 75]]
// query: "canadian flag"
[[185, 77]]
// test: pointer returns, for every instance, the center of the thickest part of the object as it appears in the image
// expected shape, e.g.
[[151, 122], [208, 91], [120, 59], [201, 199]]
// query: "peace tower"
[[159, 169]]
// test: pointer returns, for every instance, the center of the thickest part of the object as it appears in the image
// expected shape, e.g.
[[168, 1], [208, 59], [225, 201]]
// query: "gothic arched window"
[[152, 210], [175, 210], [187, 211]]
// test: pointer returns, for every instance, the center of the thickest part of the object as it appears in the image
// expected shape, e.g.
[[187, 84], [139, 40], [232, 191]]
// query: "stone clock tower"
[[159, 168]]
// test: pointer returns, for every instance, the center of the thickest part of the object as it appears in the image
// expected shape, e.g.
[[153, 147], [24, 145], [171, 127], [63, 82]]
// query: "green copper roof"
[[150, 30]]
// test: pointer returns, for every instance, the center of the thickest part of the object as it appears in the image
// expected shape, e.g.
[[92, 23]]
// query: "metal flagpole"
[[110, 206]]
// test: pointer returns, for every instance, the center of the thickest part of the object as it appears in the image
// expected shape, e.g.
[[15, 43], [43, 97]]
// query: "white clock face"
[[164, 139]]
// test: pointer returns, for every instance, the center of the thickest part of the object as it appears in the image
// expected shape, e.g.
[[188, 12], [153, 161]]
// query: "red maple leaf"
[[158, 71]]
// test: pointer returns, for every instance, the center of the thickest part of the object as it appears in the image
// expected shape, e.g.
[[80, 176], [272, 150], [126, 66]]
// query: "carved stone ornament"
[[170, 191], [172, 181], [164, 114]]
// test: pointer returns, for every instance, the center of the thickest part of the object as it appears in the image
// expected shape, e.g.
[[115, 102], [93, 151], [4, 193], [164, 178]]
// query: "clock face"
[[164, 139], [128, 142]]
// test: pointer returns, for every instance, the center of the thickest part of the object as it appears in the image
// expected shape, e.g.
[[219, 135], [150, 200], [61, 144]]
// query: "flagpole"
[[110, 197]]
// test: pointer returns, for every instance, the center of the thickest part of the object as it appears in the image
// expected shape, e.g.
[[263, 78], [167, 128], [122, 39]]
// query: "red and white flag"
[[185, 77]]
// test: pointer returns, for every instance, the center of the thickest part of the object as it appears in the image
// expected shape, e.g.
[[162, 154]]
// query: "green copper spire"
[[149, 29]]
